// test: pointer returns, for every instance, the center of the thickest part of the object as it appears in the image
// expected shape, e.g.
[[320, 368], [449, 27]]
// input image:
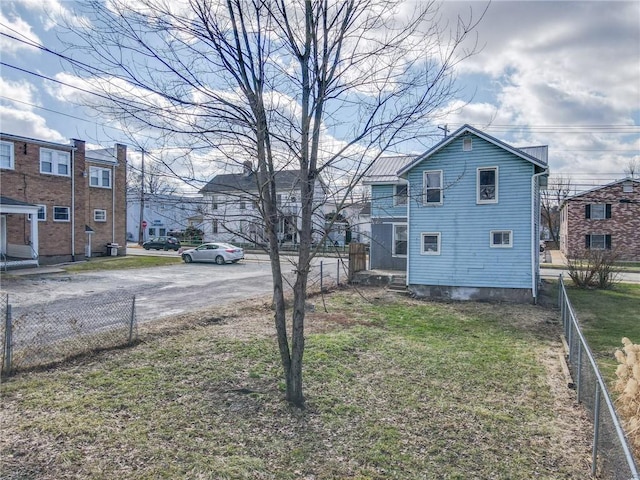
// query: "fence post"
[[596, 431], [8, 340], [321, 288], [132, 319], [579, 379], [338, 272]]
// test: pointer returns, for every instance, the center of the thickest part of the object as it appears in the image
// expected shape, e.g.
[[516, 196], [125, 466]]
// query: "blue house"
[[473, 218]]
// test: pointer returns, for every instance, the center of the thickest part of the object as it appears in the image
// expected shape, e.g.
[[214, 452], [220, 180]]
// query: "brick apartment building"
[[60, 203], [604, 218]]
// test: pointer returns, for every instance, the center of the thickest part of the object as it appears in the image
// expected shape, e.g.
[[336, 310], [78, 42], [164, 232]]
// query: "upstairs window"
[[100, 177], [433, 187], [487, 185], [214, 202], [597, 211], [6, 155], [467, 144], [55, 162], [400, 195]]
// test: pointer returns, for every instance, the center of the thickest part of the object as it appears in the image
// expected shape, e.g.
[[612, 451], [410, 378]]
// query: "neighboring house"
[[163, 214], [473, 218], [233, 213], [603, 218], [388, 213], [59, 202]]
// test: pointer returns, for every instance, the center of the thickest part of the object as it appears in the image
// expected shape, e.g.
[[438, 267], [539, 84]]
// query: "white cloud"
[[19, 28], [27, 124]]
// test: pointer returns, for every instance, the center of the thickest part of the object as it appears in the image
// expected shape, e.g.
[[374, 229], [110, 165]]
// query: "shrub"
[[593, 268], [628, 386]]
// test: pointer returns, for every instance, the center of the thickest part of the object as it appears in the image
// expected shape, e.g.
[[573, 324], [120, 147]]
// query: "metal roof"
[[384, 169]]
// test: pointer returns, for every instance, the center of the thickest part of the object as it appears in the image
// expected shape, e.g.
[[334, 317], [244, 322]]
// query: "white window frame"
[[426, 188], [400, 200], [430, 234], [480, 200], [99, 171], [604, 241], [393, 240], [43, 209], [501, 245], [595, 207], [467, 144], [12, 164], [68, 209], [58, 158], [99, 215]]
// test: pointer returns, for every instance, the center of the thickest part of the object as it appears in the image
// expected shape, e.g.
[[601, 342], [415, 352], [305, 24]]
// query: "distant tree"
[[318, 86], [551, 201], [633, 168]]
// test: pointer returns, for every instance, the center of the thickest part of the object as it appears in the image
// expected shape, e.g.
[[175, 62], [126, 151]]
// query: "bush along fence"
[[611, 454], [56, 331]]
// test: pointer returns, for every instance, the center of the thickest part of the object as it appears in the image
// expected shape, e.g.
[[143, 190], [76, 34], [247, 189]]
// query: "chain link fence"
[[611, 455], [51, 332]]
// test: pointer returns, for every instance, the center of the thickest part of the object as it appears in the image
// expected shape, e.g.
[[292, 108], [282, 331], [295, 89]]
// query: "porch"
[[18, 234]]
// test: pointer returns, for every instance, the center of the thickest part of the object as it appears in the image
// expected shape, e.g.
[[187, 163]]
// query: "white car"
[[220, 253]]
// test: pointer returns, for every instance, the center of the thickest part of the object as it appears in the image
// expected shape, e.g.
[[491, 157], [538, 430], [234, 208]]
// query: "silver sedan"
[[220, 253]]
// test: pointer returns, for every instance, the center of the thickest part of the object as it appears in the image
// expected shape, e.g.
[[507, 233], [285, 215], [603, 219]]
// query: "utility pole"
[[140, 227], [445, 129]]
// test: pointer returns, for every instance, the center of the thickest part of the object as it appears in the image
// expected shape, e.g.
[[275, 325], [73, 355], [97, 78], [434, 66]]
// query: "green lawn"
[[606, 317], [118, 263], [396, 389]]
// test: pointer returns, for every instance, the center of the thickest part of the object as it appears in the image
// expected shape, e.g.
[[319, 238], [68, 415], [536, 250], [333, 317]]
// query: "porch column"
[[34, 236]]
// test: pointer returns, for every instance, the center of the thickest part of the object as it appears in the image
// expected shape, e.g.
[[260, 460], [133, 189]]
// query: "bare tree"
[[633, 168], [551, 200], [325, 86]]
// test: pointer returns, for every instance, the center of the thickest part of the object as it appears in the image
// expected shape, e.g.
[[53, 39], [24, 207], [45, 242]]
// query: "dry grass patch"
[[396, 388]]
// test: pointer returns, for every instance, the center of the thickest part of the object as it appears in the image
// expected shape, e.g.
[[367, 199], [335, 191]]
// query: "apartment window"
[[400, 195], [487, 185], [6, 155], [597, 211], [243, 205], [99, 215], [100, 177], [501, 239], [433, 187], [399, 240], [214, 202], [55, 162], [61, 214], [597, 242], [430, 244], [214, 226], [467, 144]]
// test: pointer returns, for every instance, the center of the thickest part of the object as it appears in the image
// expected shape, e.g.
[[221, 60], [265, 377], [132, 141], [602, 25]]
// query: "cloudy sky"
[[558, 73]]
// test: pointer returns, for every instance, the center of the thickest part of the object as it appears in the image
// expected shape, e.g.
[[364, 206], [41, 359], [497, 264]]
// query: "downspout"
[[113, 203], [535, 242], [73, 204]]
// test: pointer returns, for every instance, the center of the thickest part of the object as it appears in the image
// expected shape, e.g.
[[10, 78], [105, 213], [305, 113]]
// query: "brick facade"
[[62, 240], [619, 230]]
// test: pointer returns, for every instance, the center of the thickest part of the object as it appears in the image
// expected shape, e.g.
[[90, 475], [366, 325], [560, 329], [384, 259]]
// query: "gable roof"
[[536, 155], [384, 169], [241, 182], [624, 180]]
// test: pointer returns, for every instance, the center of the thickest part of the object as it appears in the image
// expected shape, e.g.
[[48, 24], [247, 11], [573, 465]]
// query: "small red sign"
[[144, 224]]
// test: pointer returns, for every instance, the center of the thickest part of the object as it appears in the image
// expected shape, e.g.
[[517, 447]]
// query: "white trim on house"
[[501, 244], [438, 250], [496, 186]]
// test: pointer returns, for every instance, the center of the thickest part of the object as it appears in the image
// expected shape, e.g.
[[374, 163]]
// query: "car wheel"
[[220, 260], [187, 258], [165, 248], [146, 248]]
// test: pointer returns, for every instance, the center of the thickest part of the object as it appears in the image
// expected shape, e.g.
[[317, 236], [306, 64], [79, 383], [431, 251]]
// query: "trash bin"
[[112, 249]]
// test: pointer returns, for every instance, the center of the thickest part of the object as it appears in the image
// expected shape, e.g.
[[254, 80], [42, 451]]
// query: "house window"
[[100, 177], [627, 187], [487, 185], [433, 187], [214, 226], [399, 241], [152, 232], [99, 215], [243, 205], [61, 214], [42, 213], [214, 203], [597, 242], [55, 162], [501, 238], [467, 144], [597, 211], [6, 155], [430, 244], [400, 195]]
